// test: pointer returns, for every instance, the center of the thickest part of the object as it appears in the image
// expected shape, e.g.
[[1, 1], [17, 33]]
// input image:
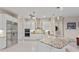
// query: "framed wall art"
[[71, 25]]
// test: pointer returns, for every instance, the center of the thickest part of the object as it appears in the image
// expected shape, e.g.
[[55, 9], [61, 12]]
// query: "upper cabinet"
[[10, 18]]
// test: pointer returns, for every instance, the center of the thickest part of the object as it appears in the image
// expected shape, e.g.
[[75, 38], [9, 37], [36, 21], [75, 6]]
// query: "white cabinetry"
[[3, 20]]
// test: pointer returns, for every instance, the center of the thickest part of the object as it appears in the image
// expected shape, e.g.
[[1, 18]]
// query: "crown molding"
[[3, 11]]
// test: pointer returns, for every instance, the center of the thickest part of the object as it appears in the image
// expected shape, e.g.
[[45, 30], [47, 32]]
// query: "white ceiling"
[[44, 11]]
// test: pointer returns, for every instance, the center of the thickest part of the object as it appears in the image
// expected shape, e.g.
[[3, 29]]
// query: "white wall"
[[71, 33]]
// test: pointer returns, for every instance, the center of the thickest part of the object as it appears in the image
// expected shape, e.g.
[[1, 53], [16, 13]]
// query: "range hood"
[[38, 27], [38, 24], [39, 31]]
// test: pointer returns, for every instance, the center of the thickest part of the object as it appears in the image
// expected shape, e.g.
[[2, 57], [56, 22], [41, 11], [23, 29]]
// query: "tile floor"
[[32, 46]]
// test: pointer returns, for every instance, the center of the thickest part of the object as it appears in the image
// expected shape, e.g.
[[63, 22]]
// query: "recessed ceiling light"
[[44, 16]]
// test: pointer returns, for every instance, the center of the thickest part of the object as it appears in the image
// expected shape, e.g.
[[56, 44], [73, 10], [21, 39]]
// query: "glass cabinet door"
[[11, 33]]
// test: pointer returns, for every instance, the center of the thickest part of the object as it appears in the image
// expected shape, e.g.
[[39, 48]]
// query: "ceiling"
[[43, 11]]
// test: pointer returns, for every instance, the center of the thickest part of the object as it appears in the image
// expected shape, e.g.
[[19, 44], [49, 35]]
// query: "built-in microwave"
[[27, 32]]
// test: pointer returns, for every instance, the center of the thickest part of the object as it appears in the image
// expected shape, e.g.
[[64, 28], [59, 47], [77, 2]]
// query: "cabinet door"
[[11, 33], [14, 33]]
